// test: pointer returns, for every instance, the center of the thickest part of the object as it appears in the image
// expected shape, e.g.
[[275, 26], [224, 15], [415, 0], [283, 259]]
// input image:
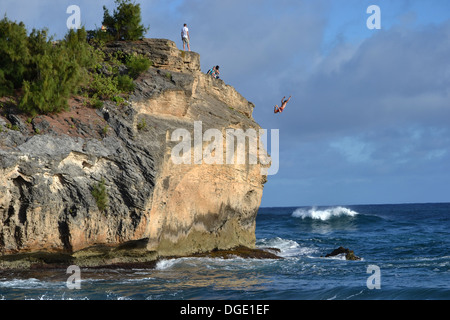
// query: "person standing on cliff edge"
[[185, 37]]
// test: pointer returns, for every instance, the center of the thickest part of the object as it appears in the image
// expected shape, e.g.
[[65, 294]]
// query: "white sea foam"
[[288, 248], [165, 264], [323, 214], [24, 283], [341, 256], [54, 297]]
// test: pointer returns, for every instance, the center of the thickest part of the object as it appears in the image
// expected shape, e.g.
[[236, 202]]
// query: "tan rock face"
[[203, 207], [46, 180], [162, 52]]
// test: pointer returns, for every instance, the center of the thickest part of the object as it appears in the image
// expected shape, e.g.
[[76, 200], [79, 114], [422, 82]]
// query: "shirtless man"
[[283, 105]]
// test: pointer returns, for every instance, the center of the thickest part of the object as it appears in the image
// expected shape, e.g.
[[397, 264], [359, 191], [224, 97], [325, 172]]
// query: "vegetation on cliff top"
[[43, 74], [125, 23]]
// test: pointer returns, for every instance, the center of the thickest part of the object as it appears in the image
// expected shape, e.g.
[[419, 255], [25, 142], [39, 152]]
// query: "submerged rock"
[[241, 252], [349, 254]]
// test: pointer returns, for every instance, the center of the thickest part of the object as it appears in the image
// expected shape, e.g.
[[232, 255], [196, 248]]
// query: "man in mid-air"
[[283, 105]]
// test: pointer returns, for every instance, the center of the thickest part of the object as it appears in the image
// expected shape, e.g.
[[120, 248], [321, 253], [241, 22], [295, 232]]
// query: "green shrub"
[[142, 125], [54, 71], [86, 56], [97, 38], [118, 100], [57, 78], [125, 83], [137, 65], [49, 72], [14, 55], [105, 130], [100, 195], [125, 23], [104, 87], [96, 103]]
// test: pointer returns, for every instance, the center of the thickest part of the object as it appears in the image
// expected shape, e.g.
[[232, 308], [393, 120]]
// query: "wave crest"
[[288, 248], [323, 214]]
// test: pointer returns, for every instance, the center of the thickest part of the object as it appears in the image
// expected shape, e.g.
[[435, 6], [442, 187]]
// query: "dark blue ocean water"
[[408, 245]]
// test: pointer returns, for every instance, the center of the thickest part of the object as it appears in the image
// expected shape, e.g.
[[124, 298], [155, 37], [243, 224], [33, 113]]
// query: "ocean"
[[403, 249]]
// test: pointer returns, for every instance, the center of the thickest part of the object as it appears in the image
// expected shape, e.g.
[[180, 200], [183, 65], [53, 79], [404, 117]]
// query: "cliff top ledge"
[[163, 52], [166, 56]]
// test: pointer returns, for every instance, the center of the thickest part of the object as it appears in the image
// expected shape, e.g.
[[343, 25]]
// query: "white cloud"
[[354, 149]]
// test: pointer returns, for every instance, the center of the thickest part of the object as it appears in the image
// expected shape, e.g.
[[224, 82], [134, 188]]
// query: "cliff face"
[[155, 206]]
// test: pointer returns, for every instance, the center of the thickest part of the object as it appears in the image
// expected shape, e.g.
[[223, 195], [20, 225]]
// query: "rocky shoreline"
[[126, 256]]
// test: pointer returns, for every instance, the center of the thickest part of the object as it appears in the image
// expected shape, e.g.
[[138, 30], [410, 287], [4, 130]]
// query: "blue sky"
[[369, 121]]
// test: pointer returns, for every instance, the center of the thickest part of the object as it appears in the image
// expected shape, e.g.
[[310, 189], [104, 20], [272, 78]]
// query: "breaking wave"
[[288, 248], [323, 214]]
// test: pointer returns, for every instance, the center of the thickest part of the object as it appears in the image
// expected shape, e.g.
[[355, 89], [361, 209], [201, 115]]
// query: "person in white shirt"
[[185, 37]]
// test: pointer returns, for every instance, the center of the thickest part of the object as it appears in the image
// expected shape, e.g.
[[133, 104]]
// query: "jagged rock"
[[17, 122], [349, 254], [46, 179], [241, 252]]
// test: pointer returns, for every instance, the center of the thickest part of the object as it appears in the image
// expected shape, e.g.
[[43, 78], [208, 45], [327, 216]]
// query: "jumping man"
[[283, 105]]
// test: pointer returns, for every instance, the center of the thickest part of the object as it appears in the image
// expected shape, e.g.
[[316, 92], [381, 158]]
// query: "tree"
[[43, 74], [57, 77], [55, 71], [14, 55], [125, 23]]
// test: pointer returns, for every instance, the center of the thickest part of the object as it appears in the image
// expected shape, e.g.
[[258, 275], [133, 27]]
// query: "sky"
[[369, 118]]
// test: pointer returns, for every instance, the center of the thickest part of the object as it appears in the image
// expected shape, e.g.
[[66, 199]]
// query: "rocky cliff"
[[153, 206]]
